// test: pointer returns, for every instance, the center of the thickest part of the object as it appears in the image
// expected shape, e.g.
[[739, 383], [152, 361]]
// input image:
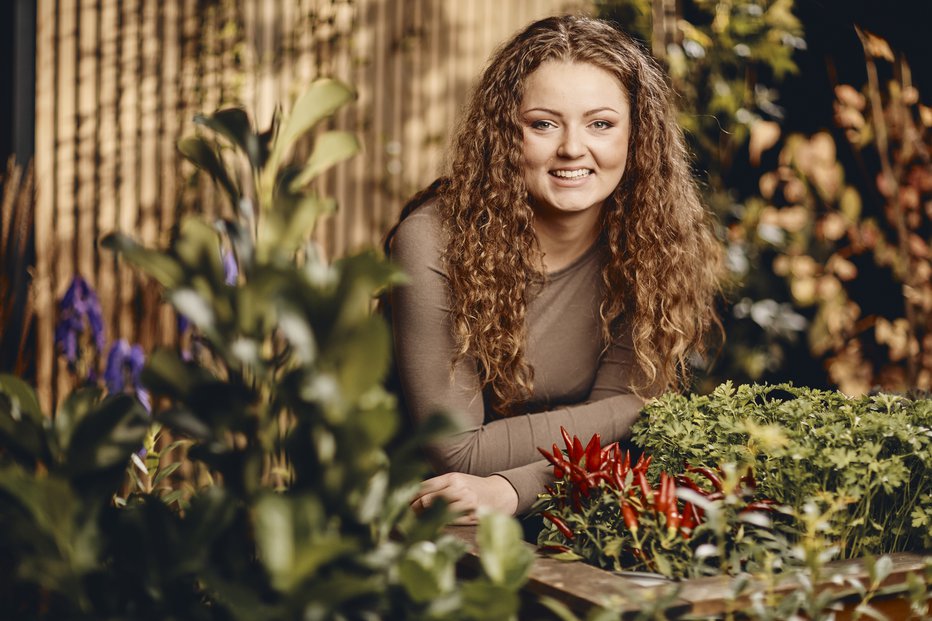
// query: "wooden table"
[[582, 587]]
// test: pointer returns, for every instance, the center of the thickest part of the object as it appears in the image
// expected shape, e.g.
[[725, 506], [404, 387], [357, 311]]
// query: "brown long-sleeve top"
[[576, 385]]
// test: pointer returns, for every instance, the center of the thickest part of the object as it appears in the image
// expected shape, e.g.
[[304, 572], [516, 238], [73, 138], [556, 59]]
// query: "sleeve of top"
[[424, 348]]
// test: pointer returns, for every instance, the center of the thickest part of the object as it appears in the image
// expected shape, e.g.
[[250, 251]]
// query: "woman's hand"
[[466, 494]]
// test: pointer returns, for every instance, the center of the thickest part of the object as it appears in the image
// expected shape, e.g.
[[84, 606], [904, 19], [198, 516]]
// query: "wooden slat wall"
[[118, 82]]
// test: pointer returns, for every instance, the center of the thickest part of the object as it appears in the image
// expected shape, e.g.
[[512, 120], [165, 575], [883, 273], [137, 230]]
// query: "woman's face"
[[576, 121]]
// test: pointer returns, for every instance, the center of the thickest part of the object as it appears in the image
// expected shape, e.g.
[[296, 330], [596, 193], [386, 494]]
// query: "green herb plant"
[[872, 454]]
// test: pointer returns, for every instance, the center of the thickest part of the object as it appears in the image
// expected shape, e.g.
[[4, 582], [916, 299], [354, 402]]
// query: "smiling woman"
[[561, 273]]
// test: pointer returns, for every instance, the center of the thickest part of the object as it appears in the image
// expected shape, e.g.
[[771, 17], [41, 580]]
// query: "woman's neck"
[[565, 238]]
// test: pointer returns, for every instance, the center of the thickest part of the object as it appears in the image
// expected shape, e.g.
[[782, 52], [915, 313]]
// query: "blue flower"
[[124, 368], [78, 312], [230, 268]]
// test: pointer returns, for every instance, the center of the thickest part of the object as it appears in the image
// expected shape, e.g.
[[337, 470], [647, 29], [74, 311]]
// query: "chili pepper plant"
[[605, 508]]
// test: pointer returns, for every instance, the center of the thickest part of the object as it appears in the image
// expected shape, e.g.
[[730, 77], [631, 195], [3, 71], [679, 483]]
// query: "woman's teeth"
[[571, 174]]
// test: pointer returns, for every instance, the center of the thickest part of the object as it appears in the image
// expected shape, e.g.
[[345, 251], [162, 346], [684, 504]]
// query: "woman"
[[561, 273]]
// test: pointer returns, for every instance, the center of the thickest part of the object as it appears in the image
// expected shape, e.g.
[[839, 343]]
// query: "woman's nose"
[[571, 145]]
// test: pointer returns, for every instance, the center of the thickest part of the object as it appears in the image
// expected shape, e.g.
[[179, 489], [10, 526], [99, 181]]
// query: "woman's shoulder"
[[422, 228]]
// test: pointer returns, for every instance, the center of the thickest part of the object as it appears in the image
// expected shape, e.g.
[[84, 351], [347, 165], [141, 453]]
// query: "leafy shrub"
[[873, 455], [283, 405]]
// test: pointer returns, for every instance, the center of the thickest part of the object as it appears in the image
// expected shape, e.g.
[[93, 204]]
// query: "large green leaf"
[[505, 557], [107, 435], [486, 601], [47, 535], [360, 357], [23, 398], [286, 227], [330, 148], [72, 410], [22, 424], [167, 374], [202, 154], [428, 571], [198, 247], [323, 98], [293, 539], [158, 265]]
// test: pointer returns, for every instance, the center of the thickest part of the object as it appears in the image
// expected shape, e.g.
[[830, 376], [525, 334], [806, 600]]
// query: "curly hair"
[[661, 262]]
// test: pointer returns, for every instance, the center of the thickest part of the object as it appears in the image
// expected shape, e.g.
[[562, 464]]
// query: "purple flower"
[[124, 368], [79, 311], [230, 268]]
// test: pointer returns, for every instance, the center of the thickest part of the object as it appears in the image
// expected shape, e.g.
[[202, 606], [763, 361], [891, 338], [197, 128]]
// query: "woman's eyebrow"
[[599, 110], [547, 110], [587, 113]]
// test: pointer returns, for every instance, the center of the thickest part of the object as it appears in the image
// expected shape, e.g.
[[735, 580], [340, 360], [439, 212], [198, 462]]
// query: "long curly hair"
[[661, 261]]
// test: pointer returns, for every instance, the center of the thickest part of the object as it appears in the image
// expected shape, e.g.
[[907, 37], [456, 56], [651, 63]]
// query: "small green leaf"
[[158, 265], [323, 98], [203, 155], [234, 125], [330, 148], [165, 472]]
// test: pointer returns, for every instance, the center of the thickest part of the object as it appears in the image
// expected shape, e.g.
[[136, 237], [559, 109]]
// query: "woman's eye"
[[601, 124], [542, 125]]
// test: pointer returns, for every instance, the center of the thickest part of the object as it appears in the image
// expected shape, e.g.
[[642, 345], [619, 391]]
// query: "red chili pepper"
[[685, 481], [560, 524], [662, 503], [618, 475], [643, 462], [558, 471], [566, 438], [630, 516], [748, 479], [709, 474], [689, 520], [594, 453], [646, 491], [627, 463], [559, 464], [610, 452], [578, 451]]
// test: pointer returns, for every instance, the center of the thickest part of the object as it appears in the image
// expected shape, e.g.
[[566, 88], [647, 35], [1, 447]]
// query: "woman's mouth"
[[577, 173]]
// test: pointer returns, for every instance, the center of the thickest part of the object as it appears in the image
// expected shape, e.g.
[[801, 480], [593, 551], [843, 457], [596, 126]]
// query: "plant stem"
[[890, 178]]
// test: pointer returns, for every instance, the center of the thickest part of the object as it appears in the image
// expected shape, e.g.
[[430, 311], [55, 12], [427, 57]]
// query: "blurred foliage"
[[857, 252], [830, 279], [303, 512]]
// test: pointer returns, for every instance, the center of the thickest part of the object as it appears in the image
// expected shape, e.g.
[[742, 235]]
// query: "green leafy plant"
[[282, 404], [871, 454]]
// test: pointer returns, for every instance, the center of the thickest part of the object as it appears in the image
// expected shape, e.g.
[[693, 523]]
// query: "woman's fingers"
[[465, 493]]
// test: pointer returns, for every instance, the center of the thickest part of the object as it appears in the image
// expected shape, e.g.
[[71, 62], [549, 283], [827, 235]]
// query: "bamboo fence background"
[[118, 81]]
